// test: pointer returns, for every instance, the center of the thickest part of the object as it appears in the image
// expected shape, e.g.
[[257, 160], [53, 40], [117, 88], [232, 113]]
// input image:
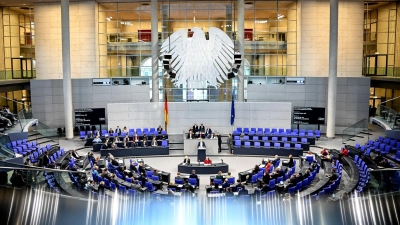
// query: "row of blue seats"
[[257, 144], [51, 182], [274, 139], [83, 134], [278, 131], [364, 174], [23, 147], [395, 143]]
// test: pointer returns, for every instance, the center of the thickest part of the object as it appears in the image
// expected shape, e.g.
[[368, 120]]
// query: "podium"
[[201, 154]]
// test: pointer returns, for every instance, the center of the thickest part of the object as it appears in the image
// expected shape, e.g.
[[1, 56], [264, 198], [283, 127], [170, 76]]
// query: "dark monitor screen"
[[308, 115], [94, 116]]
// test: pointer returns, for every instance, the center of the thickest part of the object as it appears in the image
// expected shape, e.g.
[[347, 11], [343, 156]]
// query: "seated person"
[[186, 161], [378, 158], [207, 161], [97, 139], [194, 175], [52, 165], [125, 130], [292, 182], [164, 137], [159, 129], [313, 166], [278, 173], [114, 162], [249, 176], [116, 139], [385, 164], [266, 177], [75, 154], [324, 152], [306, 174], [229, 175], [178, 176], [212, 136], [276, 159], [114, 180], [105, 174], [195, 128], [291, 161], [125, 144], [90, 135], [228, 192], [243, 191], [265, 187], [208, 132], [136, 140], [121, 171], [105, 145], [118, 131], [219, 176], [225, 184], [201, 128], [144, 140], [133, 168], [110, 131], [114, 145], [190, 135], [201, 144], [201, 135], [154, 142], [256, 168], [141, 168], [172, 185], [142, 178], [268, 166], [343, 153], [332, 177]]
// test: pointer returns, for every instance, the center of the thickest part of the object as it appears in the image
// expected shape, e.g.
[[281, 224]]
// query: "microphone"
[[199, 162], [222, 161]]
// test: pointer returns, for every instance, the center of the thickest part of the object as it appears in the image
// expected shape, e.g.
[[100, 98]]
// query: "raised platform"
[[267, 151], [202, 169], [190, 146], [138, 151]]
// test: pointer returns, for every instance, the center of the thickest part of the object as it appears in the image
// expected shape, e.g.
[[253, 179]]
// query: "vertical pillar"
[[228, 24], [165, 22], [154, 51], [332, 81], [240, 48], [66, 61]]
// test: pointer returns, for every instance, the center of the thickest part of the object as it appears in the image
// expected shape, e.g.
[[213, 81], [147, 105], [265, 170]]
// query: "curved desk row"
[[310, 140], [321, 183], [89, 141], [138, 151], [267, 151], [202, 169], [304, 146], [352, 170]]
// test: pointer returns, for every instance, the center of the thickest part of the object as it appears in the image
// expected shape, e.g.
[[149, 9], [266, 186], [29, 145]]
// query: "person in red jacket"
[[207, 161], [343, 153]]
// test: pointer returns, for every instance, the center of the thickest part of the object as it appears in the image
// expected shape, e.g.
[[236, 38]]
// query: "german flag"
[[166, 109]]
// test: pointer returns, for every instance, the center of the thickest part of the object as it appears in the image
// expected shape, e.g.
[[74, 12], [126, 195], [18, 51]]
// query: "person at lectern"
[[201, 144], [207, 161], [159, 129], [186, 161], [190, 135]]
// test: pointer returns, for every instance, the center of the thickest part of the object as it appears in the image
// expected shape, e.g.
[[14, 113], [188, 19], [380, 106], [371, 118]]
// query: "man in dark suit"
[[46, 159], [208, 132], [243, 191], [144, 140], [378, 158], [276, 159], [265, 188], [219, 141], [135, 140], [133, 168], [90, 135], [114, 180], [178, 176], [118, 130], [141, 168], [229, 141], [193, 175], [142, 178], [202, 128], [186, 161], [201, 144], [75, 154], [195, 128], [190, 135], [225, 184]]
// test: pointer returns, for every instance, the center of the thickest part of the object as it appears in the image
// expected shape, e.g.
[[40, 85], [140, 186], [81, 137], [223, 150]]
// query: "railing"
[[47, 132], [354, 129], [8, 74], [381, 71], [5, 152], [389, 116], [24, 115]]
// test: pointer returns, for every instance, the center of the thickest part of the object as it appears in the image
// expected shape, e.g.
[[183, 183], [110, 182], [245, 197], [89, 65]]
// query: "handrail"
[[13, 100], [354, 129], [39, 169], [390, 100]]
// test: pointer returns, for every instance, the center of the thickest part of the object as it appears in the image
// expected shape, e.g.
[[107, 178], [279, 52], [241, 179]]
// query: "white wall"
[[83, 39], [216, 115]]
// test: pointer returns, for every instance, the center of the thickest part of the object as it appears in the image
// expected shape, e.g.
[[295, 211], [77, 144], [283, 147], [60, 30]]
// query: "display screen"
[[85, 117], [308, 115]]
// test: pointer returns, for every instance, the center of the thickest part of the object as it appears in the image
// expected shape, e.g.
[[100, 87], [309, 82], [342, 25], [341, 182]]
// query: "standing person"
[[219, 141], [230, 143]]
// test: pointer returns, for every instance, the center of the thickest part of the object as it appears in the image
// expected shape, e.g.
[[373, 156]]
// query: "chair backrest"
[[277, 145], [164, 143], [237, 143], [279, 179], [128, 179], [267, 144], [217, 181], [284, 139], [254, 178], [246, 138], [299, 185], [236, 138], [122, 189], [274, 138], [178, 181], [309, 158], [192, 181], [149, 174], [257, 144], [265, 138], [286, 145], [247, 144], [304, 140], [154, 177], [294, 139], [255, 138], [231, 180]]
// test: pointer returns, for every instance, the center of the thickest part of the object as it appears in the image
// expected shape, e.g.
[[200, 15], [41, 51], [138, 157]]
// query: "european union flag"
[[233, 109]]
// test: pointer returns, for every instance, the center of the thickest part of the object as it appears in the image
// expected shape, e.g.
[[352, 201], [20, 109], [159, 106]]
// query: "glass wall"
[[125, 38], [19, 42], [379, 38]]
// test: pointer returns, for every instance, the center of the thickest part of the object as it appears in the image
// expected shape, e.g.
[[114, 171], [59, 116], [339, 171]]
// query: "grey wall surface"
[[48, 102], [351, 104], [216, 115]]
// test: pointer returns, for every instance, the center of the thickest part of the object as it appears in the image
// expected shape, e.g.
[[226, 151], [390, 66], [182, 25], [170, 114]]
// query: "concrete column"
[[165, 22], [332, 81], [66, 63], [154, 51], [240, 48]]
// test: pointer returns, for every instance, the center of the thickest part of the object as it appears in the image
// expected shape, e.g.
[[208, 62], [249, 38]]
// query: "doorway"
[[375, 65], [21, 68]]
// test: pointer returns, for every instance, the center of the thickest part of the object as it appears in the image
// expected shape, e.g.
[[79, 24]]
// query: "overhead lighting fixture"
[[280, 16]]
